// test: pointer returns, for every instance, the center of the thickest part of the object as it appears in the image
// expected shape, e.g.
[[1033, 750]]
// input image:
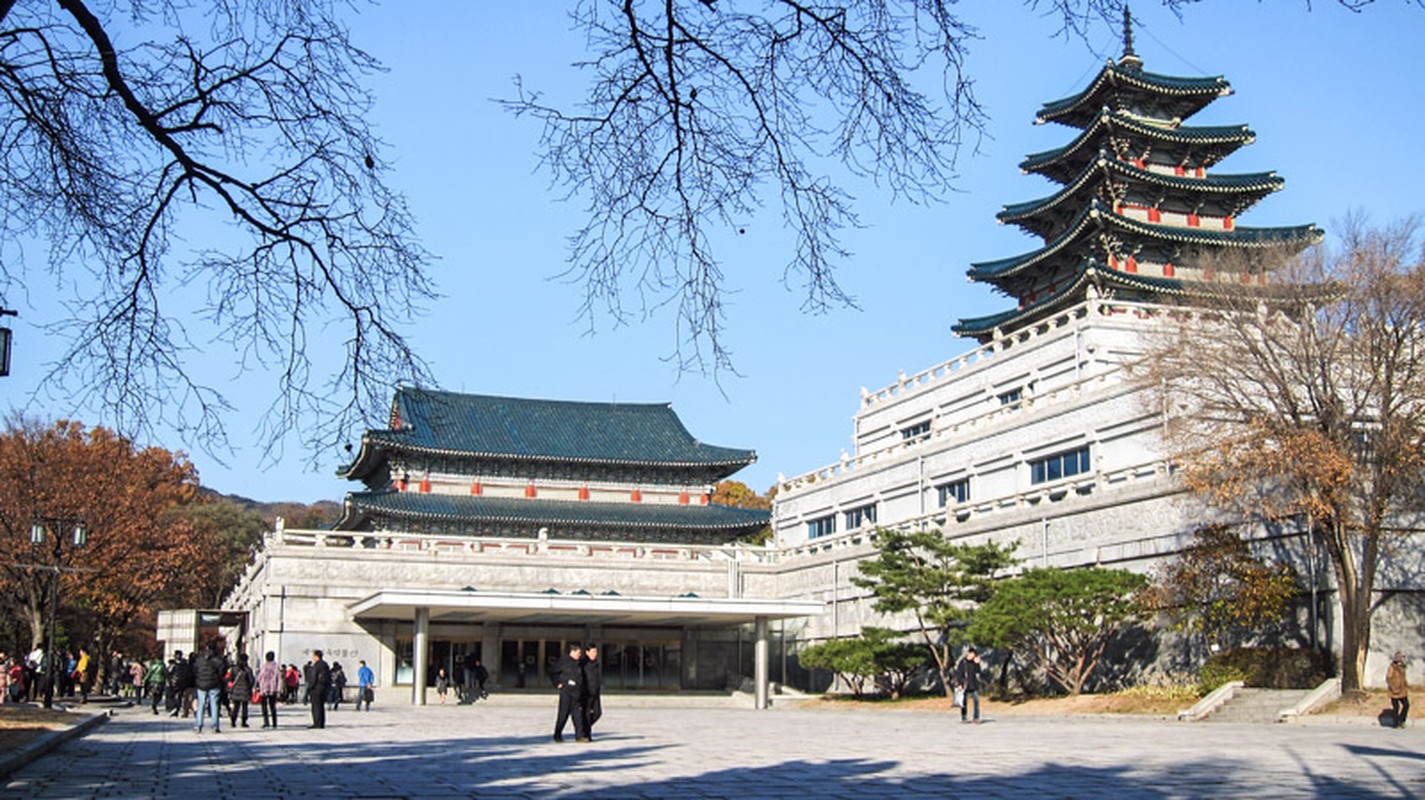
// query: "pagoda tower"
[[1140, 215]]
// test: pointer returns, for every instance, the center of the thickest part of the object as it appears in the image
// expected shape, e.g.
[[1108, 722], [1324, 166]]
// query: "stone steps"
[[1257, 705]]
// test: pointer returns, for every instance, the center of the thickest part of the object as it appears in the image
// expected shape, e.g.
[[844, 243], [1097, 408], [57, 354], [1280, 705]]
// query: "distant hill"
[[294, 515]]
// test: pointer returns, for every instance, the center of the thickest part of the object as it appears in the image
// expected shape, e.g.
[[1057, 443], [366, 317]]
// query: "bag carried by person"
[[367, 694], [959, 697], [256, 696]]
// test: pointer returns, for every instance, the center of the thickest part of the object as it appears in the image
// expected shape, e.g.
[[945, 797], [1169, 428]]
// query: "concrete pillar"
[[490, 651], [759, 665], [421, 644]]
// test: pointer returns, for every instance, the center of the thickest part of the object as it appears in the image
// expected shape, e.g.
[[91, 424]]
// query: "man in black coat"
[[320, 684], [593, 687], [569, 677]]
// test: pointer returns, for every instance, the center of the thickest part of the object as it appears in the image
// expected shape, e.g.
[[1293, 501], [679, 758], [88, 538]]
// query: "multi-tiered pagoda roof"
[[487, 465], [1139, 214]]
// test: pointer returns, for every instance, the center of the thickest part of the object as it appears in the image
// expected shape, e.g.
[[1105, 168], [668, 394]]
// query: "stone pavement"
[[494, 750]]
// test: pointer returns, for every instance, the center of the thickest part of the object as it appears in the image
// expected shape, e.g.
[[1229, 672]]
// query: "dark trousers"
[[239, 708], [319, 711], [269, 711], [593, 709], [1400, 706], [570, 708]]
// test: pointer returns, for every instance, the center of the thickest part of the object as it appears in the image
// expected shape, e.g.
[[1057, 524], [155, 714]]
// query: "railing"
[[957, 366], [1148, 471]]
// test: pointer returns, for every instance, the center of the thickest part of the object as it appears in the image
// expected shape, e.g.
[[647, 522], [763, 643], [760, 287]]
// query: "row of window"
[[1064, 464]]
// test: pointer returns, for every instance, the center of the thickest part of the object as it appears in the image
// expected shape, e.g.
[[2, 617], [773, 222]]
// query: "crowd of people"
[[207, 684]]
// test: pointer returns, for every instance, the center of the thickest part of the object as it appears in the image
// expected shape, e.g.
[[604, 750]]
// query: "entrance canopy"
[[576, 609]]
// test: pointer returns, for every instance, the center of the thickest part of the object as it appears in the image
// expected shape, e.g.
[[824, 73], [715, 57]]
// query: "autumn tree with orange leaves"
[[1307, 408], [140, 551]]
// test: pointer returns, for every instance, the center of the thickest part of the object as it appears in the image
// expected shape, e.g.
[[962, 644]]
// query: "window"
[[1059, 465], [954, 493], [1011, 397], [917, 431], [858, 517], [821, 526]]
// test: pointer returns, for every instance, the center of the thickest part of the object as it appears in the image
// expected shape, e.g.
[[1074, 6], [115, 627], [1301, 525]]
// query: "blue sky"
[[1334, 96]]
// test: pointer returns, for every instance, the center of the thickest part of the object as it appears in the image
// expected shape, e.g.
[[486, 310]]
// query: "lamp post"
[[51, 528]]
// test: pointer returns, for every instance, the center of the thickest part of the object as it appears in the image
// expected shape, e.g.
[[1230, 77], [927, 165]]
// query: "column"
[[759, 665], [421, 645], [490, 651]]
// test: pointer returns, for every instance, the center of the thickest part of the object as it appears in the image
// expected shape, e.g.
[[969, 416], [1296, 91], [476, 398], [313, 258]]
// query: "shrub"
[[1268, 667]]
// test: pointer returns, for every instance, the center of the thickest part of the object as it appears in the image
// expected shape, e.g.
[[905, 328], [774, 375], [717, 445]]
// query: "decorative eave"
[[457, 509], [1186, 95], [1098, 274], [1253, 185], [1222, 139], [1097, 216]]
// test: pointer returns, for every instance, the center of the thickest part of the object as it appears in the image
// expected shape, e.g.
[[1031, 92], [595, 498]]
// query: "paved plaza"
[[496, 750]]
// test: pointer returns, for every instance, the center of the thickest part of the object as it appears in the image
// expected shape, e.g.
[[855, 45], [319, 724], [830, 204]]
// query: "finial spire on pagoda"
[[1128, 54]]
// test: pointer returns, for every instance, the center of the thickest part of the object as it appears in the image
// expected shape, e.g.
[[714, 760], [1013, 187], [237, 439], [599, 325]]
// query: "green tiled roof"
[[413, 506], [1093, 271], [1096, 215], [1090, 140], [1251, 184], [469, 425], [1187, 94]]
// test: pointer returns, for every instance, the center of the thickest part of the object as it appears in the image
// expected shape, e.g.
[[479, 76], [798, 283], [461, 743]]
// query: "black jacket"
[[967, 675], [208, 672], [320, 679], [593, 676], [243, 682], [569, 675], [180, 674]]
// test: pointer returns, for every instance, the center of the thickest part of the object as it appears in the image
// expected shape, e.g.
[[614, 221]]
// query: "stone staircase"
[[1257, 705]]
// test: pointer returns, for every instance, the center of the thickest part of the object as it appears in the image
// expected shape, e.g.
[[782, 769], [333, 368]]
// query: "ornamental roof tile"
[[412, 506], [1230, 136], [470, 425], [1188, 95], [1097, 215], [1253, 183]]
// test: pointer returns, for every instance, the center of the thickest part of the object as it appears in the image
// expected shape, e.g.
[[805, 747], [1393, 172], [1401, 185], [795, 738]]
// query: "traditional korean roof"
[[1125, 84], [1250, 187], [552, 431], [361, 507], [1096, 273], [1096, 215], [1216, 140]]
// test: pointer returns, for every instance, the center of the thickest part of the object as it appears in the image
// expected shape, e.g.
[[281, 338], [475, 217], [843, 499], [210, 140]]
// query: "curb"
[[21, 757]]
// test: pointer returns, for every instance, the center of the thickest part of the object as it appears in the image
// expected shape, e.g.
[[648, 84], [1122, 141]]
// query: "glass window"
[[822, 526], [954, 493], [1011, 397], [917, 431], [1059, 465], [859, 517]]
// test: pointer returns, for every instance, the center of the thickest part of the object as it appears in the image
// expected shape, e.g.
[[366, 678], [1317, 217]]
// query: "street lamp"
[[79, 536]]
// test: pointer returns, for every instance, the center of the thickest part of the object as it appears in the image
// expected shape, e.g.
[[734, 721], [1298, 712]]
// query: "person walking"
[[365, 685], [180, 683], [593, 688], [481, 675], [1398, 688], [208, 681], [967, 678], [240, 690], [569, 677], [319, 682], [334, 695], [156, 678], [269, 688], [291, 679], [442, 684]]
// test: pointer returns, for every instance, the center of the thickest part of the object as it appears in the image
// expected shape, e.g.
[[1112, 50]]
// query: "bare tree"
[[1310, 409], [131, 126]]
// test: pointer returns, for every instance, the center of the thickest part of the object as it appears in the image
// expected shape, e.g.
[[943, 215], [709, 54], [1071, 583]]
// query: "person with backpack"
[[180, 683], [334, 695], [240, 689], [154, 679]]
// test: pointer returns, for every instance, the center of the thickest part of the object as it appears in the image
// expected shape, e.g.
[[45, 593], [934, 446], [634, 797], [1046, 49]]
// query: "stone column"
[[490, 651], [421, 645], [759, 665]]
